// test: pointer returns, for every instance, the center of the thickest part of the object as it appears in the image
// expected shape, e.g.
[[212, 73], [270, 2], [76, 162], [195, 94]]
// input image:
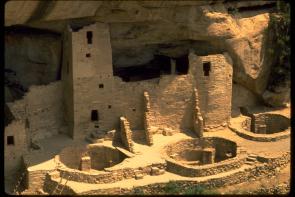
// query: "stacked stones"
[[147, 127], [85, 163], [199, 122], [260, 126], [126, 134]]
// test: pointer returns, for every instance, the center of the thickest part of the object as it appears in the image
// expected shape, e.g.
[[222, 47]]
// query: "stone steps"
[[251, 159]]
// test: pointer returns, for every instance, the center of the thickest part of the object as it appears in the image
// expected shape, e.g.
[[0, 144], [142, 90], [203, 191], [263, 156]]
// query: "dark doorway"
[[182, 65], [153, 69], [206, 68], [89, 37], [94, 115]]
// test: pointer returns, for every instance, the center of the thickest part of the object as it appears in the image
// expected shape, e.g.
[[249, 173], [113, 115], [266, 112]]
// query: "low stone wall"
[[108, 177], [147, 119], [205, 170], [266, 169]]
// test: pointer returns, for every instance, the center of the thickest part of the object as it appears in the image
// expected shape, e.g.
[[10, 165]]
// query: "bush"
[[172, 188], [138, 191], [279, 25], [199, 190]]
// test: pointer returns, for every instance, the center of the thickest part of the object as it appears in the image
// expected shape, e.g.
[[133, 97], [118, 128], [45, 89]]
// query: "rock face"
[[33, 58], [141, 29]]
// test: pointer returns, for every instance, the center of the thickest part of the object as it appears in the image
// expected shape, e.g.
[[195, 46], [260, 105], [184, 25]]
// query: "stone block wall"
[[88, 78], [126, 134], [147, 117], [42, 110], [13, 152]]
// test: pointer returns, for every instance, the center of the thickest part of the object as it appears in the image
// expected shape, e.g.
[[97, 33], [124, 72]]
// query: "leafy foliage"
[[279, 24], [172, 188]]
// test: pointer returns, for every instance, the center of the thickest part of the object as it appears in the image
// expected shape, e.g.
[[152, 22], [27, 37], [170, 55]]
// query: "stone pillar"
[[85, 163], [126, 134], [208, 155], [173, 66], [147, 127], [198, 119]]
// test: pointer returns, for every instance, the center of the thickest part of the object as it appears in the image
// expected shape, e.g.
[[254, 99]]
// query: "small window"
[[100, 85], [10, 140], [94, 115], [88, 55], [133, 109], [109, 106], [89, 37], [27, 123], [206, 68], [96, 126]]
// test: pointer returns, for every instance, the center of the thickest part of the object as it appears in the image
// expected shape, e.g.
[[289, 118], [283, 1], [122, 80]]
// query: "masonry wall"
[[45, 111], [170, 101], [215, 90]]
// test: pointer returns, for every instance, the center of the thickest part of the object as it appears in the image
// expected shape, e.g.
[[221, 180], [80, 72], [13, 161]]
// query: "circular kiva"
[[203, 157], [264, 127]]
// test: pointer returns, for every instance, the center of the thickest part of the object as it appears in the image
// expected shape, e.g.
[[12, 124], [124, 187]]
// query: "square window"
[[88, 55], [100, 85], [10, 140], [133, 109], [109, 106]]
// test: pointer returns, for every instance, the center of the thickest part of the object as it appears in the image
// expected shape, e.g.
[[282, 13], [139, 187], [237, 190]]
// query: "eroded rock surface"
[[140, 30]]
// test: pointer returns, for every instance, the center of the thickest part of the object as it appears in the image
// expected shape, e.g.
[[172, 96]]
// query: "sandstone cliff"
[[142, 29]]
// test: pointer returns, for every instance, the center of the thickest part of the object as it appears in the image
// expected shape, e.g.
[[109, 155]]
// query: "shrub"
[[172, 188]]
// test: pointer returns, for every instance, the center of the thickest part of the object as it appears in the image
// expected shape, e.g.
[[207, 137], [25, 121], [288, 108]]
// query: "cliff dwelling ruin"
[[129, 97]]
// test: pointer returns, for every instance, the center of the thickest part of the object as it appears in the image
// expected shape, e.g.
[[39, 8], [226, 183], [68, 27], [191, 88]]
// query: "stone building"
[[88, 79], [90, 97]]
